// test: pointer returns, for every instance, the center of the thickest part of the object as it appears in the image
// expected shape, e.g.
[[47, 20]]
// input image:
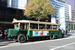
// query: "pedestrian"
[[6, 33], [60, 30], [66, 31], [2, 32], [62, 33]]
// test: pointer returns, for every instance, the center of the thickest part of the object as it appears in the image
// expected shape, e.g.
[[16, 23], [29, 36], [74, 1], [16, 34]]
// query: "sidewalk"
[[2, 40], [69, 35]]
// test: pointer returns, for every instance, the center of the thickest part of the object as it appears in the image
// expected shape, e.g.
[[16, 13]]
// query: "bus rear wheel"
[[21, 38], [52, 36]]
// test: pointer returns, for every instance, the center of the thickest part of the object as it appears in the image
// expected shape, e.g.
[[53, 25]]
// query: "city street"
[[41, 24], [67, 43]]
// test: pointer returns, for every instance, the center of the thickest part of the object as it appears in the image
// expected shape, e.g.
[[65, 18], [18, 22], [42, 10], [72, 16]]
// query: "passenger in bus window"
[[43, 28], [21, 27], [16, 27], [34, 27]]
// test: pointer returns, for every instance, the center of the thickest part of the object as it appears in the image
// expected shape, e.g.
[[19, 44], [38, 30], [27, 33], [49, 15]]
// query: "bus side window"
[[55, 27], [48, 26], [42, 26], [25, 26], [33, 26]]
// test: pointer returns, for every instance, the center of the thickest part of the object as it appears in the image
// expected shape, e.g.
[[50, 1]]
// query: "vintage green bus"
[[26, 29]]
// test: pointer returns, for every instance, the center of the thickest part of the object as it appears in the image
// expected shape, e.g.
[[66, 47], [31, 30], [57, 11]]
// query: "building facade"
[[68, 15], [71, 23], [58, 6], [8, 13], [10, 9], [63, 13], [18, 4], [73, 15], [72, 3]]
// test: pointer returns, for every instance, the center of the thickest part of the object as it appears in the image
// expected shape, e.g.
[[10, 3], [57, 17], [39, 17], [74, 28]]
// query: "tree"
[[39, 9]]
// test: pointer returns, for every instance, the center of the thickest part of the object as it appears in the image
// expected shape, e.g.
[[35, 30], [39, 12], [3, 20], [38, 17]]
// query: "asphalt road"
[[67, 43]]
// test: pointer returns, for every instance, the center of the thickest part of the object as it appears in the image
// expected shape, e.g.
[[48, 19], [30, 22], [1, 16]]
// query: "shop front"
[[6, 25], [70, 26]]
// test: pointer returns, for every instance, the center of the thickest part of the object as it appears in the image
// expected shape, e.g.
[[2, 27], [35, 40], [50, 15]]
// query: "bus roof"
[[35, 22]]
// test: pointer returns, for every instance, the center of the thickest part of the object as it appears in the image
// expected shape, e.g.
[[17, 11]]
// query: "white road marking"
[[45, 41], [62, 46], [3, 46], [18, 44]]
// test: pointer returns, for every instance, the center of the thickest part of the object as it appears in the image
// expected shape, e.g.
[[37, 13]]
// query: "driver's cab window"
[[16, 26], [24, 26], [21, 26]]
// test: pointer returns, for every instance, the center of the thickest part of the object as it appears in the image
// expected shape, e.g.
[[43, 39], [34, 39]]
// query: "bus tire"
[[52, 36], [21, 38]]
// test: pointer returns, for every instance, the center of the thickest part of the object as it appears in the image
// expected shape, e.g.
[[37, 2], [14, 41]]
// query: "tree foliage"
[[39, 9]]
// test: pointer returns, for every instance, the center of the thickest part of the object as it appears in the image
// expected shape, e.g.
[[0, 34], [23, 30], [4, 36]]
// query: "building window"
[[3, 2]]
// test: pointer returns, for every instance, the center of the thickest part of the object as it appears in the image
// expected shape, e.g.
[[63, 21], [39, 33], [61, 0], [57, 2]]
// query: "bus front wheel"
[[21, 38]]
